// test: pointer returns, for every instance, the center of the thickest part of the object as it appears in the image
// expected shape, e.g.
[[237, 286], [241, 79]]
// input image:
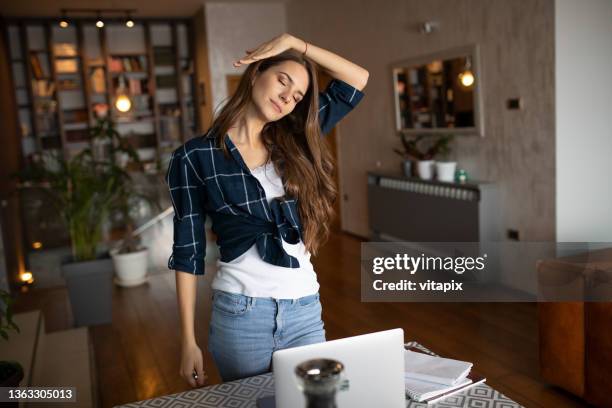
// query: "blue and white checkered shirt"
[[202, 180]]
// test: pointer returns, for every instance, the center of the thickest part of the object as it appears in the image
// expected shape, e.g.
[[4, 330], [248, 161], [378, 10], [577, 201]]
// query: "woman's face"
[[277, 90]]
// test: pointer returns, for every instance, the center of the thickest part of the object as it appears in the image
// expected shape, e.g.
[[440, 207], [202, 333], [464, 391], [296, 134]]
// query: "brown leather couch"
[[575, 337]]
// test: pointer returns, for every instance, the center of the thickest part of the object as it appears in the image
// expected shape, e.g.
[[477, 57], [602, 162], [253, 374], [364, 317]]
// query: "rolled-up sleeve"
[[335, 102], [187, 193]]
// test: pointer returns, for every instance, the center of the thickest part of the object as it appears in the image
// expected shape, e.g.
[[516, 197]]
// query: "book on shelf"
[[115, 65], [134, 86], [127, 64], [68, 84], [96, 62], [98, 80], [66, 66], [65, 50], [138, 63], [40, 68]]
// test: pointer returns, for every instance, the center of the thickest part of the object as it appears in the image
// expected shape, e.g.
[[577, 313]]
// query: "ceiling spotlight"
[[64, 21], [99, 22], [129, 22]]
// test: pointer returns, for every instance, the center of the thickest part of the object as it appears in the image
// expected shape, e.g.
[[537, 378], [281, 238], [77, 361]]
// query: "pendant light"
[[466, 78], [122, 103]]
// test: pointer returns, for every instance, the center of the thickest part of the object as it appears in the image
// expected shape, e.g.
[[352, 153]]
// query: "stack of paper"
[[430, 378]]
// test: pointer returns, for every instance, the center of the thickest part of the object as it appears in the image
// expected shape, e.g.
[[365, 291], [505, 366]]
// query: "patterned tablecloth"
[[245, 392]]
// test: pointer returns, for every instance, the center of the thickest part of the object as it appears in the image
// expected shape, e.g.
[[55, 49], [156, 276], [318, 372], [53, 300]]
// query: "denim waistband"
[[253, 300]]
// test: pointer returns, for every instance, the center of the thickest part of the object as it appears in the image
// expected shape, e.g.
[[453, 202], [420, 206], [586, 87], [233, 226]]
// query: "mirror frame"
[[457, 52]]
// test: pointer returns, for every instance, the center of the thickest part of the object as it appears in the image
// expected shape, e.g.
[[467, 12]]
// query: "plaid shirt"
[[203, 181]]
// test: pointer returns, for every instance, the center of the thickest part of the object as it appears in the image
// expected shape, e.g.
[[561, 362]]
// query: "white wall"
[[233, 28], [583, 83]]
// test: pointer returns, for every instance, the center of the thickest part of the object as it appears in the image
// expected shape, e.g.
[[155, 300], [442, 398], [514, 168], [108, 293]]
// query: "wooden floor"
[[137, 357]]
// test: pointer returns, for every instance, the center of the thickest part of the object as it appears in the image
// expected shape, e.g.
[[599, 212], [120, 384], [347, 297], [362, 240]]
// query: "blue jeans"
[[245, 331]]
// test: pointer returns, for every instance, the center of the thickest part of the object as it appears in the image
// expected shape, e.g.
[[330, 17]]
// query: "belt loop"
[[252, 300]]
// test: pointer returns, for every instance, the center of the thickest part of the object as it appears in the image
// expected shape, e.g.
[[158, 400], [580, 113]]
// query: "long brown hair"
[[296, 148]]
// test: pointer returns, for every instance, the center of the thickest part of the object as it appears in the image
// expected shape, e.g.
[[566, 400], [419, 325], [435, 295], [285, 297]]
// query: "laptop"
[[373, 365]]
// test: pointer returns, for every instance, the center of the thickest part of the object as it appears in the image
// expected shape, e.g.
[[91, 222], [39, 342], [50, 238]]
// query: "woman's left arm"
[[333, 64]]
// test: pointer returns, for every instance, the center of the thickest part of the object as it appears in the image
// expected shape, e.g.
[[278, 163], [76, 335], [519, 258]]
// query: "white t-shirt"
[[249, 275]]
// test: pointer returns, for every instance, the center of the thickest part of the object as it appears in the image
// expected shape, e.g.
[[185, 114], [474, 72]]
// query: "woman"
[[264, 176]]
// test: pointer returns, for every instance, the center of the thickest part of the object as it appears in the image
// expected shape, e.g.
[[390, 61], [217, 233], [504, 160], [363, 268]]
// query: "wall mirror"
[[439, 93]]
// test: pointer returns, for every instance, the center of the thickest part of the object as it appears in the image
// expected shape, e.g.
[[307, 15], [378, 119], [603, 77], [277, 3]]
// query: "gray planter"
[[90, 290], [407, 168]]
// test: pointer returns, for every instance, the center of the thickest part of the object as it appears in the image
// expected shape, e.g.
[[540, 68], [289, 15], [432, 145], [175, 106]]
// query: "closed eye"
[[284, 84]]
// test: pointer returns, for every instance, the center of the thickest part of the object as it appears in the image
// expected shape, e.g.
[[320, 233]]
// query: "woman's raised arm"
[[335, 65]]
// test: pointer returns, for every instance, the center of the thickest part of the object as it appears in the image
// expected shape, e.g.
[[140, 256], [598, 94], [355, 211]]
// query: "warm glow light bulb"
[[99, 23], [63, 23], [37, 245], [467, 78], [123, 103], [129, 23], [26, 277]]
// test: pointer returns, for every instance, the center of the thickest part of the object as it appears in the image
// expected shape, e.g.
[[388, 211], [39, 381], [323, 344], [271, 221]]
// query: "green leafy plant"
[[8, 369], [87, 188], [129, 195], [413, 148], [6, 315]]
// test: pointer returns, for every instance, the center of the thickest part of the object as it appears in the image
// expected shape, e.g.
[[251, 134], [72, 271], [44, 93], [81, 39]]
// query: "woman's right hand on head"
[[193, 362]]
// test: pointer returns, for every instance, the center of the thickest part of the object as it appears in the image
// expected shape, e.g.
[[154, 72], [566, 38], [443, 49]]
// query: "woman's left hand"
[[268, 49]]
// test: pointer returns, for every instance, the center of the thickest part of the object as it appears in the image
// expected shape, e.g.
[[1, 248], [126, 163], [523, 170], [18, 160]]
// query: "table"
[[245, 392]]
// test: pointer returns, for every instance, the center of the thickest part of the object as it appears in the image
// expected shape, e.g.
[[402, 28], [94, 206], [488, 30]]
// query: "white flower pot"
[[425, 169], [130, 268], [446, 171]]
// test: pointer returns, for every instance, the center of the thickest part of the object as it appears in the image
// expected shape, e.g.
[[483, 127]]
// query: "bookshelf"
[[66, 78]]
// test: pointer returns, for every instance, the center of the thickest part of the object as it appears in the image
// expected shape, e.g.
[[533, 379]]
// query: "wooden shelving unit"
[[65, 78]]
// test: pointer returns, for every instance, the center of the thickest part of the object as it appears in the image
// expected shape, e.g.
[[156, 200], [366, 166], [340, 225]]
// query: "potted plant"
[[130, 258], [86, 190], [11, 372], [423, 156], [445, 169], [409, 156]]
